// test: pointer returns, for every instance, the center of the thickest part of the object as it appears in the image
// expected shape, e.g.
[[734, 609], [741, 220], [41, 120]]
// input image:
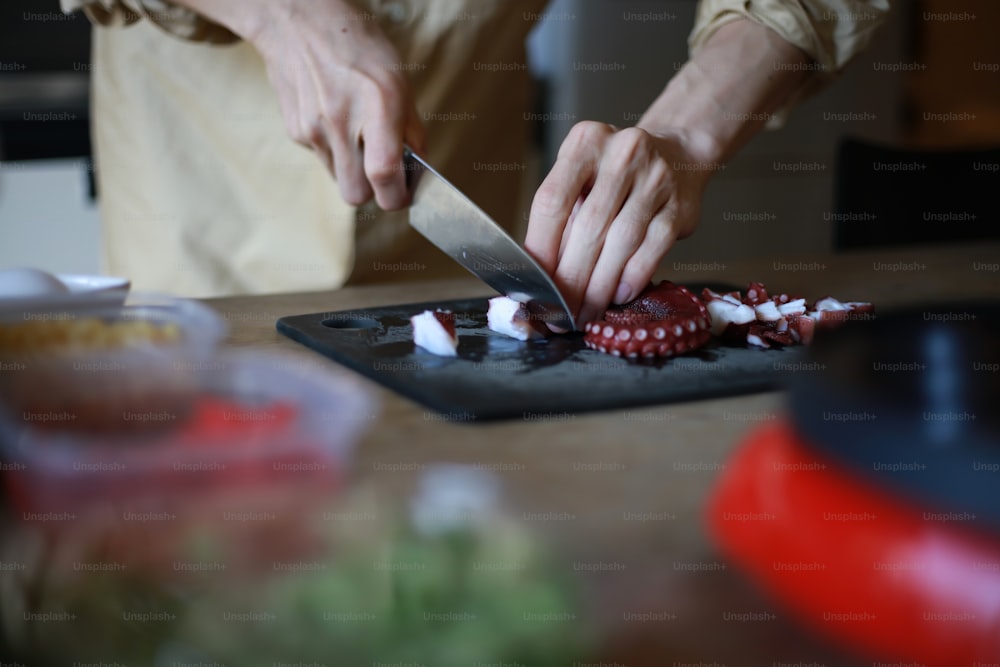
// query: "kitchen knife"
[[452, 222]]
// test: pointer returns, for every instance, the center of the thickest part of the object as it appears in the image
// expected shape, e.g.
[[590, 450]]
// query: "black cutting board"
[[497, 377]]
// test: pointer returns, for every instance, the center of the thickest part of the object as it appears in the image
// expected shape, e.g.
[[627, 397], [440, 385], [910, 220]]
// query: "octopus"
[[668, 319], [663, 321], [762, 320]]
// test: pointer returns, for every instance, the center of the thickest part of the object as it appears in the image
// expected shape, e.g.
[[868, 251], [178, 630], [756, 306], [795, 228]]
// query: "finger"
[[655, 195], [288, 103], [664, 228], [570, 177], [607, 280], [661, 234], [567, 230], [309, 121], [338, 123], [551, 208], [383, 160], [583, 250], [588, 234], [348, 163], [326, 157]]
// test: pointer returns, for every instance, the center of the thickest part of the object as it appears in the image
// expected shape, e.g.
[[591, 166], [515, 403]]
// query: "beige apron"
[[203, 193]]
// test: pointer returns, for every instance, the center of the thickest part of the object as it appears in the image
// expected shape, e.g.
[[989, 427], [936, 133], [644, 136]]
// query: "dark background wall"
[[44, 57]]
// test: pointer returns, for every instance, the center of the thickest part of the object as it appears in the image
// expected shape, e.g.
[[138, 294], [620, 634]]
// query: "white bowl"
[[23, 291], [94, 285]]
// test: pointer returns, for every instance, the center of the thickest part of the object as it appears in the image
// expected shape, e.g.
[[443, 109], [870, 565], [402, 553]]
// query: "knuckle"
[[297, 132], [660, 230], [632, 138], [355, 194], [313, 134], [639, 270], [661, 177], [388, 91], [551, 199], [632, 232], [572, 279], [583, 134], [381, 172], [630, 146]]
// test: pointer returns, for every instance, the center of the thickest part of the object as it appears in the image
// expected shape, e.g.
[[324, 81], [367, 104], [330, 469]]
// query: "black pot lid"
[[911, 399]]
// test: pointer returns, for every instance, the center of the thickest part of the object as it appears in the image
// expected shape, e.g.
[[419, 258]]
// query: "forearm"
[[725, 94]]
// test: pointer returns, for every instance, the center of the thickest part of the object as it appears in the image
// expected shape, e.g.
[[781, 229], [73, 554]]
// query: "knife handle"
[[413, 166]]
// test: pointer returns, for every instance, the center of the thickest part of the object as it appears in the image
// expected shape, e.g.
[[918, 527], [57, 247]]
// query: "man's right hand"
[[341, 86]]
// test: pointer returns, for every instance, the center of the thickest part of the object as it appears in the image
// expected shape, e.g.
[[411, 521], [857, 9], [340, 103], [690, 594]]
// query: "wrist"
[[691, 109], [690, 151], [727, 91]]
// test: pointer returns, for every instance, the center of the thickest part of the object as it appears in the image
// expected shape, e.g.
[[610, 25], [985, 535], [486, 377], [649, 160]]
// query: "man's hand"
[[617, 200], [343, 94], [340, 85], [611, 207]]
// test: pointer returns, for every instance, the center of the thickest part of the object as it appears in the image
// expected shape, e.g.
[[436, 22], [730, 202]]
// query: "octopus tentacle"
[[663, 321]]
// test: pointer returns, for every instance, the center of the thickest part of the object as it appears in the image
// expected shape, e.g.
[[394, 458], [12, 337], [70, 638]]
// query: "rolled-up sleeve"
[[830, 32], [176, 20]]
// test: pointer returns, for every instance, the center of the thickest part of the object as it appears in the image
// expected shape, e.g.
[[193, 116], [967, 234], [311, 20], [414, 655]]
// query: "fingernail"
[[623, 294]]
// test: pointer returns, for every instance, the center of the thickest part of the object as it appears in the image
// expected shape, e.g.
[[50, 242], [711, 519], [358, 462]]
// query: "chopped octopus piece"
[[767, 311], [726, 312], [796, 307], [829, 311], [434, 331], [512, 318], [778, 319]]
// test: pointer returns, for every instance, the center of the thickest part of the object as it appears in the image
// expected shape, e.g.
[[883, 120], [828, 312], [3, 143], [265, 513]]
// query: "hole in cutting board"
[[351, 323]]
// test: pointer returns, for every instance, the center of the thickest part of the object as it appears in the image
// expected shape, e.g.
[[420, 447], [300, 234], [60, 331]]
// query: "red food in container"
[[253, 419]]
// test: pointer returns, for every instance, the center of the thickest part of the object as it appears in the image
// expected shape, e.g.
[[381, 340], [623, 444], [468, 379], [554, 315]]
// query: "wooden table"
[[659, 462]]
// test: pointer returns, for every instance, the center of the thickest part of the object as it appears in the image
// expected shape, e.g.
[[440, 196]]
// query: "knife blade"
[[452, 222]]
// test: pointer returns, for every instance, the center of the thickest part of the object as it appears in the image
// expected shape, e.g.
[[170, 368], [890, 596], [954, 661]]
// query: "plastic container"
[[91, 368], [252, 421]]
